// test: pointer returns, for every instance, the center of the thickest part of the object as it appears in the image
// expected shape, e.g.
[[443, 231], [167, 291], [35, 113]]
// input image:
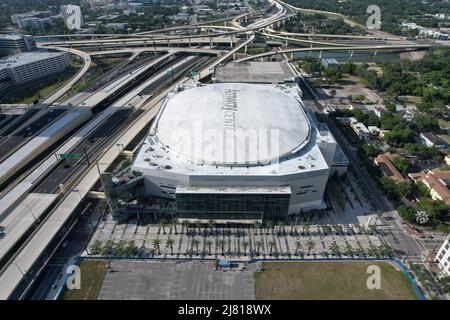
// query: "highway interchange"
[[41, 192]]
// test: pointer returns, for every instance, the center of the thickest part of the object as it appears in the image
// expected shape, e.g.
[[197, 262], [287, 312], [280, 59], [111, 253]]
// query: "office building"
[[72, 16]]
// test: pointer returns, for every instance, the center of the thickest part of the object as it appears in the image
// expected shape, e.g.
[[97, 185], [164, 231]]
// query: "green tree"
[[259, 245], [389, 187], [407, 213], [156, 243], [405, 189], [310, 245], [334, 248], [401, 164], [169, 244], [298, 247], [221, 243], [195, 243], [209, 244], [244, 246]]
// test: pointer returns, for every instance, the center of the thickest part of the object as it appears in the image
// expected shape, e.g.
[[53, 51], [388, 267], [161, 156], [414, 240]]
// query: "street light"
[[20, 270], [31, 211]]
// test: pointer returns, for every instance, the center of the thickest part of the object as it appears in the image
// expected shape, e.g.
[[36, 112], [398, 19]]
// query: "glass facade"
[[232, 206]]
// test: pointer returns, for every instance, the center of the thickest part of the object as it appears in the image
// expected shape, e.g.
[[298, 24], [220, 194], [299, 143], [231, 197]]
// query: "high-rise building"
[[72, 16]]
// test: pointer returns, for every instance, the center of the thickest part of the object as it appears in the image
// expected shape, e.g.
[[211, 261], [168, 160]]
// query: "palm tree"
[[163, 223], [334, 248], [195, 243], [256, 226], [272, 244], [259, 245], [349, 250], [310, 244], [175, 221], [198, 224], [221, 243], [209, 244], [305, 228], [156, 244], [292, 229], [211, 224], [269, 225], [281, 226], [298, 246], [185, 225], [169, 244], [244, 245]]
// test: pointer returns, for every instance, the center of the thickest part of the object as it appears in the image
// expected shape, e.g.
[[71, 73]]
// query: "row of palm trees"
[[334, 248], [279, 228], [169, 243]]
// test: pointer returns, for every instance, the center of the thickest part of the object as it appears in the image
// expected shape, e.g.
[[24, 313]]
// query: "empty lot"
[[330, 280]]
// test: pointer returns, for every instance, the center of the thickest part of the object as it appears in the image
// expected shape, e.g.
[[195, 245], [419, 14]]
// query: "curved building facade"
[[236, 150]]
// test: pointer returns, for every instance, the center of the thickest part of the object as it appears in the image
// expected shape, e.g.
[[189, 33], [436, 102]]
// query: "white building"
[[29, 66], [72, 16], [431, 140], [32, 19], [233, 150], [443, 257], [360, 129]]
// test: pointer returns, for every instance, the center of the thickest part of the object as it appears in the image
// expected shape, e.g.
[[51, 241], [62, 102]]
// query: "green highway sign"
[[194, 73], [69, 155], [169, 71]]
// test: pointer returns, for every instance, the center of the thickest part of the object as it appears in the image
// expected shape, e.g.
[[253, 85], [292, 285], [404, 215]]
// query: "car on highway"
[[2, 231]]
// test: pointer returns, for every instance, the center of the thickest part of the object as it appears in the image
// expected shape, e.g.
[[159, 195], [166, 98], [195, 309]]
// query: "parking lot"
[[151, 280]]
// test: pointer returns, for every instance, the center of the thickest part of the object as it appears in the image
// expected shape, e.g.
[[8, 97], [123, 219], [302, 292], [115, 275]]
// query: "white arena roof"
[[195, 120]]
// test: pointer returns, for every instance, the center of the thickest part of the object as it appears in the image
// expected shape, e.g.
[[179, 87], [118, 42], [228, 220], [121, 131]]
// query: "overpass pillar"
[[245, 49], [279, 24], [375, 52], [225, 24], [291, 55], [189, 39], [124, 44], [234, 56], [210, 42], [320, 55]]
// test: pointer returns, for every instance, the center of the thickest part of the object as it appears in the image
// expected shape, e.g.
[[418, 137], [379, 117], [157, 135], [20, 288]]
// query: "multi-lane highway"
[[37, 208], [44, 195]]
